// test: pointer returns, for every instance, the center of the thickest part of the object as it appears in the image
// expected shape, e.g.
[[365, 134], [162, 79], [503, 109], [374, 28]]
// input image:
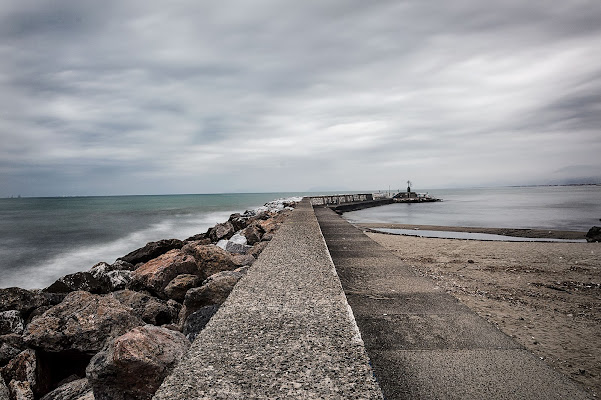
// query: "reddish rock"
[[156, 274], [150, 309], [253, 234], [152, 250], [271, 224], [83, 322], [213, 291], [135, 364], [210, 259], [177, 288], [221, 231]]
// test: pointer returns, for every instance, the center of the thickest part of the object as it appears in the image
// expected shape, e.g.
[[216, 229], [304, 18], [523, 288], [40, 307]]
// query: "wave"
[[84, 257]]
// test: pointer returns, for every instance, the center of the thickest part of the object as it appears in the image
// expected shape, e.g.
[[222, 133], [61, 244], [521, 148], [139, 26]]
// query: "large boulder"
[[83, 322], [150, 309], [594, 234], [152, 250], [79, 389], [210, 259], [135, 364], [213, 291], [177, 288], [11, 322], [221, 231], [156, 274], [198, 320]]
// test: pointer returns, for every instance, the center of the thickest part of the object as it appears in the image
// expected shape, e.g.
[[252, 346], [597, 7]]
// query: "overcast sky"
[[148, 97]]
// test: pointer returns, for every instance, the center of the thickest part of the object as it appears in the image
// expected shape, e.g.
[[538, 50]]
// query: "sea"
[[42, 239], [570, 208]]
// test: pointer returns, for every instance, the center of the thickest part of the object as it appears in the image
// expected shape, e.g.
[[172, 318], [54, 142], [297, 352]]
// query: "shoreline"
[[546, 296], [516, 232]]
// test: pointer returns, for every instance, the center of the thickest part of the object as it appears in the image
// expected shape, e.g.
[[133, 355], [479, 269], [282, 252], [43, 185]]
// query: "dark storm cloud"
[[139, 97]]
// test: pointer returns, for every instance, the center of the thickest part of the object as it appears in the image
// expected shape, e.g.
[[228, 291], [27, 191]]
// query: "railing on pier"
[[340, 199]]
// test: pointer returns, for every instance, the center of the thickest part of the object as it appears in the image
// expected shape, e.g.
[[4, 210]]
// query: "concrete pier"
[[287, 330]]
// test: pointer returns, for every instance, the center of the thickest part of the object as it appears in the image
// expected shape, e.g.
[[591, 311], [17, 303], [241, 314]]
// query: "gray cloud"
[[136, 97]]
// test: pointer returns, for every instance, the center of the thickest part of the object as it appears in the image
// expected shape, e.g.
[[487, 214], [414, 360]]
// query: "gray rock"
[[594, 234], [242, 260], [11, 322], [79, 281], [74, 390], [7, 353], [22, 300], [21, 390], [213, 291], [152, 250], [198, 320], [134, 365], [237, 248], [83, 322], [114, 276]]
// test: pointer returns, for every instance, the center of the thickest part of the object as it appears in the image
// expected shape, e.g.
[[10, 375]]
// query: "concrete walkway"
[[285, 332], [424, 344]]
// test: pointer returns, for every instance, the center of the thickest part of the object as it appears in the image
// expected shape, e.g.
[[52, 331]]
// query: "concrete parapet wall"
[[286, 331]]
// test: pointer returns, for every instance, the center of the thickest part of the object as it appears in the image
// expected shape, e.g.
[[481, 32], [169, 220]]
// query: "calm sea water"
[[42, 239], [575, 208]]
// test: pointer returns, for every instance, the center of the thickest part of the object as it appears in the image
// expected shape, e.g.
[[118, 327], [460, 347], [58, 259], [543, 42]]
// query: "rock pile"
[[117, 330]]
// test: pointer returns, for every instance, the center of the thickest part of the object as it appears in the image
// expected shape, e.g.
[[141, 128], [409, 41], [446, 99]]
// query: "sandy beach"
[[545, 295]]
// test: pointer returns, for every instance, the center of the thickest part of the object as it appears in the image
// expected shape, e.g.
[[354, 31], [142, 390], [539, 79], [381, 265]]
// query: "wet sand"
[[545, 295]]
